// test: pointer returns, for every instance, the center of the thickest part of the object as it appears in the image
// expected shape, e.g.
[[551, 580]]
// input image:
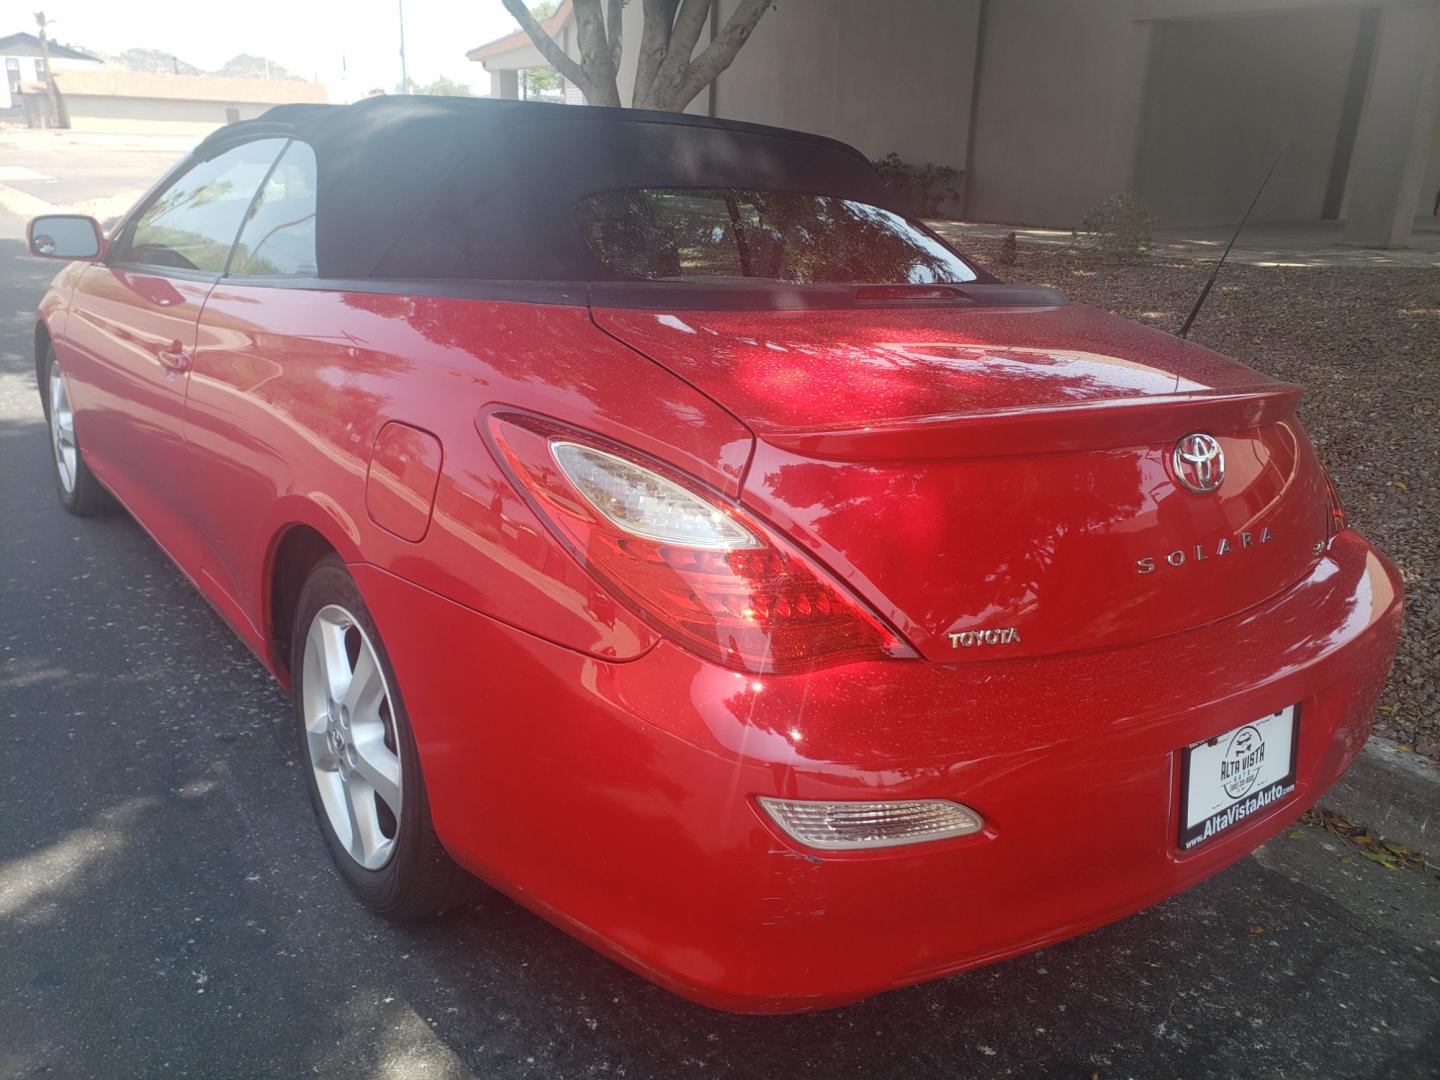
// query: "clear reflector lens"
[[646, 504], [841, 826]]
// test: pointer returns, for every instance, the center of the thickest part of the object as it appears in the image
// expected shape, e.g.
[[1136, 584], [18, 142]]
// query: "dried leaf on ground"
[[1388, 854]]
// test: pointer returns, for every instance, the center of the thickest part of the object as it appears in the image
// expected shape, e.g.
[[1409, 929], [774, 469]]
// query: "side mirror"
[[66, 236]]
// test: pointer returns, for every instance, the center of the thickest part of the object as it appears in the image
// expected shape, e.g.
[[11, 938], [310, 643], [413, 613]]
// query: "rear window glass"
[[687, 234]]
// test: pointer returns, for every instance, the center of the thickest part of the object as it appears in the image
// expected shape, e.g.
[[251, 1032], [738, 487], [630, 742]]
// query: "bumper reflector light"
[[849, 826]]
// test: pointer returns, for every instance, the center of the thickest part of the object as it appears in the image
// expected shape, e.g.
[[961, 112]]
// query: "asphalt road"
[[167, 907]]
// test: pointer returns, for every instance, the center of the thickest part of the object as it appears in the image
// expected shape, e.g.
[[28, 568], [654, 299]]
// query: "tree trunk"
[[58, 111], [704, 69], [614, 28], [654, 42], [595, 73], [668, 74], [685, 32], [597, 56]]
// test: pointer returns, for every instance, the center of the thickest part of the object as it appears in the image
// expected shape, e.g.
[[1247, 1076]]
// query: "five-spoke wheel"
[[62, 430], [78, 489], [350, 730], [363, 766]]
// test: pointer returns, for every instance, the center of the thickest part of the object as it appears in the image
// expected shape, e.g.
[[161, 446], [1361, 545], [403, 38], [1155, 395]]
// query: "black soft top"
[[427, 188]]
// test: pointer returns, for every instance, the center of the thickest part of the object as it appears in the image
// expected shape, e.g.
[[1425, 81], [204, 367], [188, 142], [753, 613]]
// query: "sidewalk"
[[101, 174], [1287, 244], [18, 140]]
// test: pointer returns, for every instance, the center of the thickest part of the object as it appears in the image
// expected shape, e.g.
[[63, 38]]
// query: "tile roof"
[[23, 44], [520, 38]]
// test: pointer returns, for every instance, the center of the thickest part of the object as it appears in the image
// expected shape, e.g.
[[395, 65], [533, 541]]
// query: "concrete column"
[[506, 84], [1393, 141]]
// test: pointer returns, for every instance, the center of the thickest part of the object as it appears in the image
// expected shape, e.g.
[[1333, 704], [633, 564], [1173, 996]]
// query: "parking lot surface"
[[167, 906]]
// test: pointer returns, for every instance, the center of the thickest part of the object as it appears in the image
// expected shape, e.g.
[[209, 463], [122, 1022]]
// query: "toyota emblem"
[[1199, 463]]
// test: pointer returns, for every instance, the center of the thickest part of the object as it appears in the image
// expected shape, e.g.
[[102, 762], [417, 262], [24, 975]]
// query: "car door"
[[131, 335], [243, 446]]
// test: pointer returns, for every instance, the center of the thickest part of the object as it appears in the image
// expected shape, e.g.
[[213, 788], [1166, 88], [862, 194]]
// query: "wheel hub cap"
[[62, 430], [351, 737]]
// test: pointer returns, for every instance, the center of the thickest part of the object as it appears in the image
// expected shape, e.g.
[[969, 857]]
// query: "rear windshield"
[[689, 234]]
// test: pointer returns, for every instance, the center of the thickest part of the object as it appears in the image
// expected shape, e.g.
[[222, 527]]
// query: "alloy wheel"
[[62, 430], [351, 737]]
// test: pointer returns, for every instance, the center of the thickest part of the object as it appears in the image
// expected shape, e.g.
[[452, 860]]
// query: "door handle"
[[175, 357]]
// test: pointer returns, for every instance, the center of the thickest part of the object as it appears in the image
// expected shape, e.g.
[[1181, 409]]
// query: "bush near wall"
[[1118, 230], [925, 188]]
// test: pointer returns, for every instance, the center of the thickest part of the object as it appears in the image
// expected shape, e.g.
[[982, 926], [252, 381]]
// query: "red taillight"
[[702, 573], [1337, 510]]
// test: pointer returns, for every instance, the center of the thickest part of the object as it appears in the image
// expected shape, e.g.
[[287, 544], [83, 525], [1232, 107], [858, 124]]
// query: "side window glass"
[[192, 225], [279, 235]]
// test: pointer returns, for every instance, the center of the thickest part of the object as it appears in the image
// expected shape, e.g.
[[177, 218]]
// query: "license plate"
[[1227, 779]]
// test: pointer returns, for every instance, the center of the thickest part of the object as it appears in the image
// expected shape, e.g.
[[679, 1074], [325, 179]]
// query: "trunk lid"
[[1002, 482]]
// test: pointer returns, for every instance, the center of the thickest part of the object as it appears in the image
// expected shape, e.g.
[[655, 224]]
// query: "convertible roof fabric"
[[434, 188]]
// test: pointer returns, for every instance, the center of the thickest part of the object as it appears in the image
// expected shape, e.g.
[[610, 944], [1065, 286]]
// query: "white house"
[[24, 62]]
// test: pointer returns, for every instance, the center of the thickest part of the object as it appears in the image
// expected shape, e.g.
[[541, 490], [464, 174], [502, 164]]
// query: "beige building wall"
[[1070, 101], [1430, 186], [1224, 97], [892, 76], [1058, 115], [153, 115], [1185, 101], [885, 75], [1393, 143]]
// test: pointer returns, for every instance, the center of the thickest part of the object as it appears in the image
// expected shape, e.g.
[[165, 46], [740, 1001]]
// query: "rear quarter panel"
[[291, 386]]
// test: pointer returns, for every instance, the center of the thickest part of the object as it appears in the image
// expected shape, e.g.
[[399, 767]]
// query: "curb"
[[1395, 792]]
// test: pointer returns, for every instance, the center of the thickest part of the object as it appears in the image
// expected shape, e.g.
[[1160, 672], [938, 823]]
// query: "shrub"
[[1118, 230], [924, 187]]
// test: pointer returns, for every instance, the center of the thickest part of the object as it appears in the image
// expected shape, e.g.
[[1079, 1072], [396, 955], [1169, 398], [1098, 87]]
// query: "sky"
[[350, 45]]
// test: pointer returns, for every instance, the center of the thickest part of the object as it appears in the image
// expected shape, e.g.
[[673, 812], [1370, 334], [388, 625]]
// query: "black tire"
[[85, 496], [419, 879]]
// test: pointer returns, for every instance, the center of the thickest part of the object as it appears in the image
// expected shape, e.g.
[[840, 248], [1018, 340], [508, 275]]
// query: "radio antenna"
[[1210, 282]]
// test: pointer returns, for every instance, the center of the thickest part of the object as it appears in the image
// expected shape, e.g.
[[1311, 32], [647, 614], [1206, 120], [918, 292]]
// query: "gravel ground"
[[1365, 342]]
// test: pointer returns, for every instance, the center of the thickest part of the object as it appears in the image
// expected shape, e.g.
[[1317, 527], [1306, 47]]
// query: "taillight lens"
[[645, 504], [1337, 510], [700, 572]]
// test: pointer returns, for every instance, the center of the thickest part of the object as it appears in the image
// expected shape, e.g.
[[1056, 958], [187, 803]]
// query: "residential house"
[[24, 61]]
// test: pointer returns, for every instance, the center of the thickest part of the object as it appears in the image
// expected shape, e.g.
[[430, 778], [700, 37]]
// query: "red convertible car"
[[652, 520]]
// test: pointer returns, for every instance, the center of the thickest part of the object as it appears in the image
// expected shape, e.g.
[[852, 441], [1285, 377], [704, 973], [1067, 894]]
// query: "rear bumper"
[[618, 799]]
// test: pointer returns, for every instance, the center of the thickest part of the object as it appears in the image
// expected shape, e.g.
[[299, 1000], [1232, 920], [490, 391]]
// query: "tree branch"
[[548, 46], [654, 40], [595, 54], [704, 69], [614, 29], [683, 36]]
